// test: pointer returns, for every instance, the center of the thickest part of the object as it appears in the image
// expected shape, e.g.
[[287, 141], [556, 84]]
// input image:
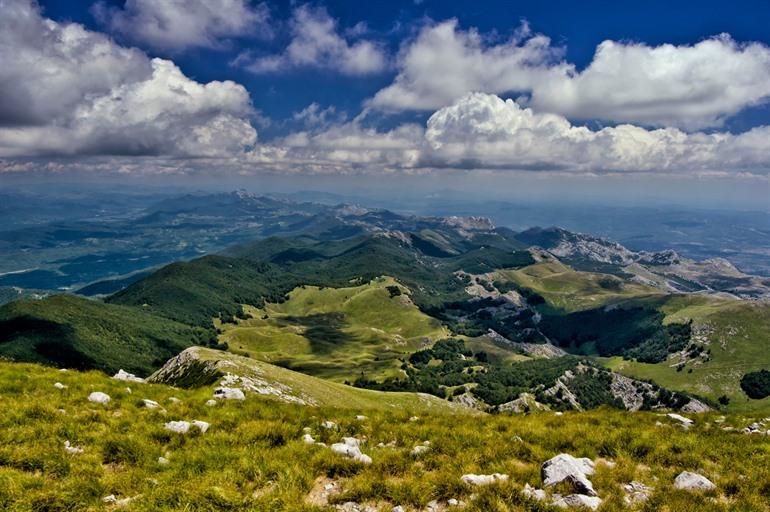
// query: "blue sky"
[[548, 90]]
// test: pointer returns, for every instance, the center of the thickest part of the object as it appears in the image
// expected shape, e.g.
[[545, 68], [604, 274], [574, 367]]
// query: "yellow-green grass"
[[568, 290], [322, 392], [253, 458], [739, 340], [336, 333]]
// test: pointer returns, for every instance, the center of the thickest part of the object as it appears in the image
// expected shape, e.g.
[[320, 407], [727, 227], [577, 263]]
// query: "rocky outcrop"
[[526, 402]]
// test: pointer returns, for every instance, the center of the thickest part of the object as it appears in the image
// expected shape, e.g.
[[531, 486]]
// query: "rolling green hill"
[[730, 338], [72, 332], [336, 333]]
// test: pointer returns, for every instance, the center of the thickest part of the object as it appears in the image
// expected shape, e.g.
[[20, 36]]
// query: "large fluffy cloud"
[[485, 131], [316, 43], [179, 24], [690, 87], [66, 90]]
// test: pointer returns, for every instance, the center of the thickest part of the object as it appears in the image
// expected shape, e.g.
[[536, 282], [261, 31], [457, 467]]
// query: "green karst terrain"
[[492, 350]]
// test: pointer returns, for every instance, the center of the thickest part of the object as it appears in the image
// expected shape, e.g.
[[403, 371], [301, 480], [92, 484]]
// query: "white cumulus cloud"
[[316, 42], [688, 86], [180, 24], [87, 95]]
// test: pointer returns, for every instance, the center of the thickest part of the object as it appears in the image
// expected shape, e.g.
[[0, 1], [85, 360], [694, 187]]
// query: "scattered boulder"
[[163, 461], [636, 492], [420, 449], [688, 481], [361, 417], [414, 418], [329, 425], [225, 393], [69, 448], [398, 508], [150, 404], [202, 425], [128, 377], [211, 403], [174, 400], [685, 422], [351, 449], [59, 385], [577, 501], [574, 471], [113, 500], [308, 439], [180, 427], [472, 479], [99, 397], [695, 406]]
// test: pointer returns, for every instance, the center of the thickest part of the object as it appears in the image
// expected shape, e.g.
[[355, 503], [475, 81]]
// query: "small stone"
[[329, 425], [472, 479], [308, 439], [361, 417], [531, 492], [420, 449], [202, 425], [59, 385], [211, 402], [174, 400], [163, 461], [150, 404], [69, 448]]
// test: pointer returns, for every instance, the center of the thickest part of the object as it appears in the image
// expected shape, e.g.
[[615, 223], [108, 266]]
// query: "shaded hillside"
[[71, 332]]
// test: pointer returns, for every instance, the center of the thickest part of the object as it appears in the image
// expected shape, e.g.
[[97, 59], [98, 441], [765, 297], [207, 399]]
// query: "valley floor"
[[253, 455]]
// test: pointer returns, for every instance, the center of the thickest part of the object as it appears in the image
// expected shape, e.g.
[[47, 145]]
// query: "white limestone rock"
[[128, 377], [577, 501], [72, 449], [566, 468], [684, 422], [350, 447], [150, 404], [225, 393], [689, 481], [59, 385], [99, 397], [472, 479]]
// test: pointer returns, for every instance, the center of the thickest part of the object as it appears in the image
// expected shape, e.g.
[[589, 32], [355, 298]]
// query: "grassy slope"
[[253, 458], [336, 332], [568, 290], [739, 343], [65, 330], [327, 393]]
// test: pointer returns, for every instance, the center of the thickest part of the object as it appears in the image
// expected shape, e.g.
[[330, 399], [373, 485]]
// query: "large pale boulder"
[[688, 481], [99, 397], [569, 469]]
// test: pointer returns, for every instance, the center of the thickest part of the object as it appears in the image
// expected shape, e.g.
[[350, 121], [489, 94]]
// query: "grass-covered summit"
[[254, 454]]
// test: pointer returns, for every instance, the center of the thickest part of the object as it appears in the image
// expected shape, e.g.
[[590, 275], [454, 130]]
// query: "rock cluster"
[[350, 447], [183, 427]]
